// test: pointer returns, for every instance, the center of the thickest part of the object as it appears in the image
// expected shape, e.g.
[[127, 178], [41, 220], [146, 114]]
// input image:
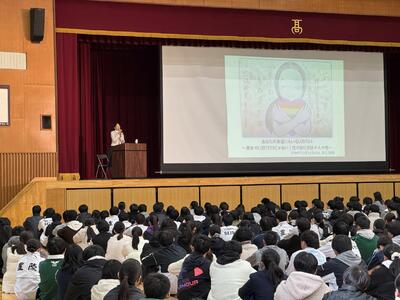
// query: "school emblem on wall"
[[296, 28]]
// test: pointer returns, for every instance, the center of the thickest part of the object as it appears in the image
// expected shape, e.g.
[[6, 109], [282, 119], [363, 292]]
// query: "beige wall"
[[32, 91]]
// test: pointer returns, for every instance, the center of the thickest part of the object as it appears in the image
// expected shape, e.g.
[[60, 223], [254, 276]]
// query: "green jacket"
[[48, 270], [366, 242]]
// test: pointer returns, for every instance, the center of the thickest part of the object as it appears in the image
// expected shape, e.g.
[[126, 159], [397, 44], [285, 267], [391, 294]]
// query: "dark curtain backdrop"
[[104, 79]]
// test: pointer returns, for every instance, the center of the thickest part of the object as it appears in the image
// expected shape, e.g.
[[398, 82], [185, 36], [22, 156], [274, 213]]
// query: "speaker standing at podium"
[[117, 138]]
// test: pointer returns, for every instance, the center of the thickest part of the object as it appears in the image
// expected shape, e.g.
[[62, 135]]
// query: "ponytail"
[[395, 265], [119, 228], [123, 293], [90, 233], [274, 273], [136, 233]]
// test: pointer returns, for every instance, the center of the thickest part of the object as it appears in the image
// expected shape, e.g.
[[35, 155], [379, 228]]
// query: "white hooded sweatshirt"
[[301, 286], [101, 289]]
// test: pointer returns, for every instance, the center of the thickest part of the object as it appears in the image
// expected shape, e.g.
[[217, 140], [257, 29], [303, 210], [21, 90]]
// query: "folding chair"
[[102, 164]]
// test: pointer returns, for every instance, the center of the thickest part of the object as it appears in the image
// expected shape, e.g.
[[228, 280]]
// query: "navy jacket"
[[258, 287]]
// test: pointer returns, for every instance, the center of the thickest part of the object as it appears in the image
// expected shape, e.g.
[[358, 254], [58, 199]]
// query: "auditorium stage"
[[101, 194]]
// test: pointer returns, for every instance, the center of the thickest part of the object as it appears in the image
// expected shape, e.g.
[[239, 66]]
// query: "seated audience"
[[119, 246], [70, 227], [292, 242], [85, 235], [266, 224], [83, 213], [244, 236], [194, 278], [129, 276], [355, 283], [283, 228], [365, 238], [156, 286], [394, 231], [113, 218], [378, 257], [374, 214], [109, 280], [344, 259], [302, 283], [71, 263], [310, 244], [382, 277], [27, 274], [46, 220], [31, 223], [229, 273], [227, 230], [88, 275], [270, 243], [138, 243], [49, 268], [262, 285], [15, 251], [104, 235]]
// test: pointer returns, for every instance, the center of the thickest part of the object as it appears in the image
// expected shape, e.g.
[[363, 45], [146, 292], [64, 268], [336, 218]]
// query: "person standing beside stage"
[[117, 138]]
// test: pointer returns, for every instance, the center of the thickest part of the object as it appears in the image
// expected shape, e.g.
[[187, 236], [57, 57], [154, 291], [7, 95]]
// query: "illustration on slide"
[[289, 115], [286, 98]]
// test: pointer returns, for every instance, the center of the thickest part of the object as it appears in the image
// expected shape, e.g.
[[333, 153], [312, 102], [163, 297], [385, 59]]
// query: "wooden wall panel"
[[56, 198], [18, 169], [32, 91], [252, 195], [329, 191], [178, 197], [218, 194], [292, 193], [368, 190], [397, 189], [354, 7], [135, 195], [95, 198]]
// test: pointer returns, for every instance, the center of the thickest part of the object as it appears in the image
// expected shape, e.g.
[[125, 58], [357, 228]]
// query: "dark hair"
[[33, 245], [198, 211], [341, 243], [25, 236], [227, 219], [121, 205], [281, 215], [119, 229], [104, 214], [111, 269], [72, 258], [83, 208], [214, 229], [70, 215], [89, 222], [357, 277], [367, 200], [36, 209], [374, 208], [271, 238], [392, 252], [114, 211], [243, 234], [378, 197], [140, 219], [142, 208], [271, 260], [194, 204], [158, 207], [96, 215], [136, 233], [128, 275], [17, 230], [303, 224], [310, 238], [49, 212], [394, 228], [56, 217], [185, 211], [201, 243], [56, 246], [267, 223], [174, 214], [286, 206], [103, 226], [384, 240], [340, 227], [156, 286], [363, 222], [91, 251], [166, 238], [123, 216], [389, 217], [305, 262], [223, 206], [216, 244]]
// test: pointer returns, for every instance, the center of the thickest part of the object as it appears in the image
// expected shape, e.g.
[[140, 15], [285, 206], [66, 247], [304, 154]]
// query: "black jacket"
[[258, 287], [134, 294], [31, 224], [102, 240], [382, 284], [290, 245], [84, 279], [194, 279], [347, 292], [159, 258], [83, 217]]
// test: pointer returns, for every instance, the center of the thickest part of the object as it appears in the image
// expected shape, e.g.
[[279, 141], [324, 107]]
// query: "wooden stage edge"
[[101, 194]]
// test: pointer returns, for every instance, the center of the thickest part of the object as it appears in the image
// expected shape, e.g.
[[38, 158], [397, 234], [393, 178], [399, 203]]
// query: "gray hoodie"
[[255, 259]]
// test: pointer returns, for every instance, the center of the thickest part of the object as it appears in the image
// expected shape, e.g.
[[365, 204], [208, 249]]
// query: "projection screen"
[[235, 110]]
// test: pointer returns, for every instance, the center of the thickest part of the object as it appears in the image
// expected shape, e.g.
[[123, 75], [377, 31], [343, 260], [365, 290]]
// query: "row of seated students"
[[342, 251]]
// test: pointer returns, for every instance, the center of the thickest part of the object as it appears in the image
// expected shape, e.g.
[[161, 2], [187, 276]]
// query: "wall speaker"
[[37, 24]]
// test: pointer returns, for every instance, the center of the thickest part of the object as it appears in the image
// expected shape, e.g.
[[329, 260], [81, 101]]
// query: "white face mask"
[[397, 294]]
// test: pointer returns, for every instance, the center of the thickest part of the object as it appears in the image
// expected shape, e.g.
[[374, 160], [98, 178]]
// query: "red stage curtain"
[[68, 103]]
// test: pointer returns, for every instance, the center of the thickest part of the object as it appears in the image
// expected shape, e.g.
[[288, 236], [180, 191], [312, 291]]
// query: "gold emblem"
[[296, 28]]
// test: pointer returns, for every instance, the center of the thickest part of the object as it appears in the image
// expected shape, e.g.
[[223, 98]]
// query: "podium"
[[129, 161]]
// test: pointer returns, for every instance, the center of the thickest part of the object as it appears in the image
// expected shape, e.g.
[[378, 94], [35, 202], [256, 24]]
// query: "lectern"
[[129, 161]]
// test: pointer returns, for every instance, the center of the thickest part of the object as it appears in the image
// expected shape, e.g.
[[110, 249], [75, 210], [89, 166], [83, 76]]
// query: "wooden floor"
[[101, 194]]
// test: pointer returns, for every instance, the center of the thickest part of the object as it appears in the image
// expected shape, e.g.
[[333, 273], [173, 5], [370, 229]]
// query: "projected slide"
[[279, 107]]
